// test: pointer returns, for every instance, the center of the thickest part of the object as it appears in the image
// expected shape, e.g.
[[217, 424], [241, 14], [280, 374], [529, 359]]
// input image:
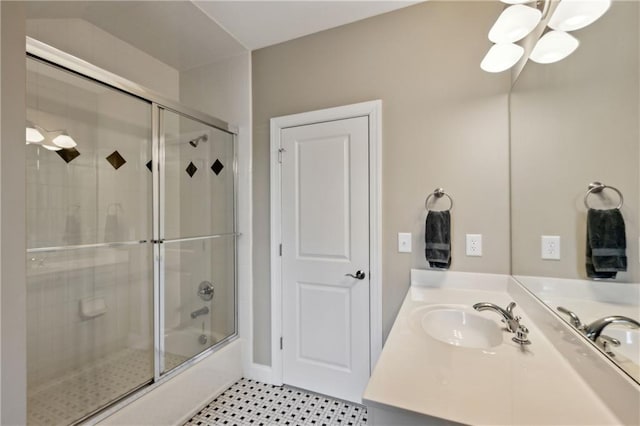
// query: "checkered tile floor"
[[253, 403]]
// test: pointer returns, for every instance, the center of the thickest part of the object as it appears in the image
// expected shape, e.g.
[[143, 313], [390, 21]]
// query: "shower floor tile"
[[67, 398], [248, 402]]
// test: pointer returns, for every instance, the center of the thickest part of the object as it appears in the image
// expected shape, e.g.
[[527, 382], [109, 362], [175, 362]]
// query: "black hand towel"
[[437, 237], [606, 243]]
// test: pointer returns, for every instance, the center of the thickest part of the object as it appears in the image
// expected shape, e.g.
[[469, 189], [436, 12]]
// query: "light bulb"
[[33, 134], [63, 140], [514, 23], [571, 15], [554, 46], [51, 147], [501, 57]]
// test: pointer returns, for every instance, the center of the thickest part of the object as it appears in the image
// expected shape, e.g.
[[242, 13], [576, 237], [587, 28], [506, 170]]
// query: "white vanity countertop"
[[503, 385]]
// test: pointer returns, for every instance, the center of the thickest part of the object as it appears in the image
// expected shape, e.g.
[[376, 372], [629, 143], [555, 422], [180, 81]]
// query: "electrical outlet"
[[474, 245], [404, 242], [550, 247]]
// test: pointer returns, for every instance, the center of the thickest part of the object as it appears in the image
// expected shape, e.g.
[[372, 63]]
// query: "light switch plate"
[[404, 242], [550, 247]]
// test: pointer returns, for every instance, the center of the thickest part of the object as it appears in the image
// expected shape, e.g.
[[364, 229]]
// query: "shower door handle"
[[358, 276]]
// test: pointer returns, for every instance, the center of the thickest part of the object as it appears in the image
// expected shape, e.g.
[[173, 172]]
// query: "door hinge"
[[280, 250], [280, 151], [281, 343]]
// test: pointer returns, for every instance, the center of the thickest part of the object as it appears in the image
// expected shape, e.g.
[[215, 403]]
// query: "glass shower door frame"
[[64, 61], [159, 157]]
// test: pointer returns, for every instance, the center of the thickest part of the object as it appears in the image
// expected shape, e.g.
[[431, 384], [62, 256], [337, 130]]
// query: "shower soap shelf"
[[91, 307]]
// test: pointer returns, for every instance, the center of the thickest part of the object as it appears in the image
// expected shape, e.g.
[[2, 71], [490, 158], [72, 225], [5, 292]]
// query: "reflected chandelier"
[[521, 17]]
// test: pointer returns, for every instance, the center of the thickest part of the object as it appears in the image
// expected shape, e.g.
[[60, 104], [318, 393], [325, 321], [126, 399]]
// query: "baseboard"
[[261, 373]]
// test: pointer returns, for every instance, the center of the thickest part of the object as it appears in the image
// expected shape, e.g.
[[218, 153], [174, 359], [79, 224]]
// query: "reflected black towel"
[[437, 238], [606, 243]]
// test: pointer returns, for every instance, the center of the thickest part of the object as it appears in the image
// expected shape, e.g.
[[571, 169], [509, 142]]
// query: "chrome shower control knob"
[[206, 291]]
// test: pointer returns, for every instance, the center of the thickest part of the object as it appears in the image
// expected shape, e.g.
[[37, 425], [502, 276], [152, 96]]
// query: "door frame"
[[372, 110]]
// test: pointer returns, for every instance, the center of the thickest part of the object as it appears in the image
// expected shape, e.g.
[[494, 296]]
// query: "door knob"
[[358, 276]]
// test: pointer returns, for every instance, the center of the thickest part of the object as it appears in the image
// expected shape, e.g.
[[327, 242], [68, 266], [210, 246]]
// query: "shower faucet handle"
[[206, 291]]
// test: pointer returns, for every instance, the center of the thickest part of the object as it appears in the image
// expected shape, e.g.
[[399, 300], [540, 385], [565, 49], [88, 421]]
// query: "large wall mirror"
[[572, 123]]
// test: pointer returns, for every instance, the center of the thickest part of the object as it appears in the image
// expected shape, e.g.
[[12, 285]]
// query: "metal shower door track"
[[46, 53]]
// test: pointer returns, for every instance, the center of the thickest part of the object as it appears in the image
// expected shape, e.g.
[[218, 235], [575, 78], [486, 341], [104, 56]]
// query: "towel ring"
[[438, 193], [597, 187]]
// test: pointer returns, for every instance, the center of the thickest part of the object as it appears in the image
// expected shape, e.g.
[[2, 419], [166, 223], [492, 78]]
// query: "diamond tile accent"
[[217, 167], [149, 165], [68, 154], [191, 169], [248, 402], [116, 160]]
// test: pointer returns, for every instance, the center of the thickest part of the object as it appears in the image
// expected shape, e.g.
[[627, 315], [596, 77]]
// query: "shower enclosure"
[[131, 237]]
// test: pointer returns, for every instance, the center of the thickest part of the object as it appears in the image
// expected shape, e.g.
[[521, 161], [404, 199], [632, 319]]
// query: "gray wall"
[[445, 123], [12, 224], [574, 122]]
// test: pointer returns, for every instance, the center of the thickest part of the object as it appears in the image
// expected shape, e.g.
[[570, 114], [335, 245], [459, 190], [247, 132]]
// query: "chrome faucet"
[[575, 320], [594, 330], [507, 314], [202, 311]]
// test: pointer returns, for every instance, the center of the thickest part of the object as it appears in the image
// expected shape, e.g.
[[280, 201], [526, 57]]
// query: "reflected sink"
[[458, 327]]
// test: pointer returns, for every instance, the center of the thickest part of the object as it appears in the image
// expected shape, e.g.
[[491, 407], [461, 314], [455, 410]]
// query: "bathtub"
[[175, 401]]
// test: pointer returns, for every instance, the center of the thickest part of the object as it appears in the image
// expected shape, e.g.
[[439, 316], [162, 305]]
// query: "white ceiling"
[[187, 34], [257, 24]]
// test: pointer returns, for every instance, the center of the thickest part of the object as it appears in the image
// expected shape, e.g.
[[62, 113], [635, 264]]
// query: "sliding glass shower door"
[[131, 242], [89, 257], [198, 237]]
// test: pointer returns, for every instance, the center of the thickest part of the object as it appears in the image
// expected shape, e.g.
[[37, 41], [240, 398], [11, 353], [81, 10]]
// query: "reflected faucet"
[[575, 320], [594, 330], [202, 311], [507, 314]]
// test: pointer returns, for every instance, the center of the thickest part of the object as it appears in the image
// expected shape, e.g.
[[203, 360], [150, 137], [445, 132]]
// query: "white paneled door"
[[325, 257]]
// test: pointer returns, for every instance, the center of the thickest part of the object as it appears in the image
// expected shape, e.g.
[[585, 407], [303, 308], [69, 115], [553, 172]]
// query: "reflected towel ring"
[[438, 193], [597, 187]]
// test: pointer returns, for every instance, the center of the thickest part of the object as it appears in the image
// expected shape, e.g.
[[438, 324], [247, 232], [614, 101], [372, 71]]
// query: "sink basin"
[[458, 327]]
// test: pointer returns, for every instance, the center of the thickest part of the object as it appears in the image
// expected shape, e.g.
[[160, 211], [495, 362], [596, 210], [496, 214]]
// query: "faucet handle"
[[521, 336], [605, 342], [510, 307]]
